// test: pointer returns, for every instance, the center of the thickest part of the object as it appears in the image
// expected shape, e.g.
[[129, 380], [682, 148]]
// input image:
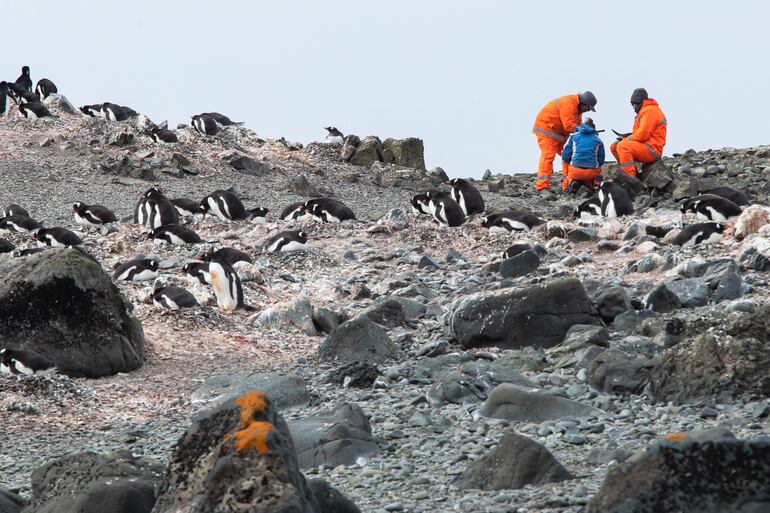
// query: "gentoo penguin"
[[739, 198], [295, 211], [21, 361], [17, 92], [45, 88], [198, 270], [115, 112], [173, 298], [95, 111], [519, 247], [711, 207], [92, 215], [467, 196], [445, 209], [186, 207], [329, 210], [205, 125], [701, 233], [6, 246], [334, 136], [226, 285], [28, 97], [257, 215], [175, 234], [509, 221], [24, 79], [591, 206], [57, 237], [18, 223], [139, 269], [221, 119], [223, 204], [230, 255], [614, 200], [13, 209], [155, 209], [34, 110], [163, 135], [420, 204], [287, 242]]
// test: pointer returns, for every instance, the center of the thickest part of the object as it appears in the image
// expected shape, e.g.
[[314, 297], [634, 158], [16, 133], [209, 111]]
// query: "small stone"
[[708, 413]]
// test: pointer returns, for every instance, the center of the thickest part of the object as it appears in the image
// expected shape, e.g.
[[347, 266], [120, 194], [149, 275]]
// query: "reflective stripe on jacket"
[[559, 117]]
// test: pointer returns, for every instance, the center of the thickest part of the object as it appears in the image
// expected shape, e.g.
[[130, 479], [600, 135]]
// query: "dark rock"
[[426, 262], [515, 403], [325, 320], [359, 339], [692, 292], [408, 152], [657, 176], [412, 308], [248, 165], [580, 336], [688, 476], [617, 372], [332, 438], [10, 502], [538, 316], [755, 260], [354, 375], [62, 305], [633, 320], [631, 184], [330, 499], [611, 302], [122, 139], [387, 313], [89, 482], [581, 234], [301, 186], [661, 299], [283, 390], [516, 462], [472, 381], [367, 152], [729, 287], [520, 265]]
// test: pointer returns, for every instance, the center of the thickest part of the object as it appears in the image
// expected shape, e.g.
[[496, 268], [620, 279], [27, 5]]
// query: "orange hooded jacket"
[[559, 118], [650, 127]]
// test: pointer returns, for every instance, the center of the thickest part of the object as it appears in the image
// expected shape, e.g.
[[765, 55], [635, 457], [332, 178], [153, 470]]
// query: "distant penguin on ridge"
[[24, 79], [204, 124], [467, 196], [163, 135], [445, 209], [221, 119], [34, 110], [334, 136], [45, 88]]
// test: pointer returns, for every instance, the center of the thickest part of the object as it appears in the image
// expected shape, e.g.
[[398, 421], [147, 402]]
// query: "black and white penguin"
[[701, 233], [94, 111], [205, 125], [175, 234], [16, 92], [173, 298], [445, 210], [25, 80], [45, 88], [28, 97], [420, 204], [711, 207], [329, 210], [467, 196], [295, 211], [57, 237], [591, 206], [510, 221], [225, 205], [3, 97], [199, 270], [186, 207], [154, 209], [34, 110], [226, 285], [28, 251], [334, 136], [6, 246], [163, 135], [19, 223], [519, 247], [92, 215], [230, 255], [738, 197], [139, 269], [13, 210], [289, 241], [257, 215], [221, 119], [614, 200], [21, 361], [115, 112]]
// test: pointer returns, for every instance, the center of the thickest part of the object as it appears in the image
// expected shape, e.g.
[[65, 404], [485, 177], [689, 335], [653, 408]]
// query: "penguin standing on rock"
[[226, 285], [467, 196], [290, 241], [173, 298], [25, 80], [445, 210], [711, 207], [510, 221], [701, 233], [140, 269], [45, 88], [57, 237], [614, 200], [92, 215], [205, 125], [21, 361], [34, 110], [334, 136], [175, 234]]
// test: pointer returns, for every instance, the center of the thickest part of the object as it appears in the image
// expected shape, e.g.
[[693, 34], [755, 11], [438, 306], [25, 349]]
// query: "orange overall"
[[646, 142], [553, 125]]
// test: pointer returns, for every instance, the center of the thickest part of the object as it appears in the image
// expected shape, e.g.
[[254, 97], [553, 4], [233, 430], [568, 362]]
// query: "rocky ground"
[[691, 359]]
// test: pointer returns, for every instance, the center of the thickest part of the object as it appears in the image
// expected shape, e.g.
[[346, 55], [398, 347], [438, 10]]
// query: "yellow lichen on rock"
[[676, 437], [253, 437], [251, 403]]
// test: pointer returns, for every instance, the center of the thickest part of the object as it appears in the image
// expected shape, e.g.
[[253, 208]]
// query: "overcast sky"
[[466, 77]]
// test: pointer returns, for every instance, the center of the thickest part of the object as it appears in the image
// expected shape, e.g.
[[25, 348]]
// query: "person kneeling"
[[584, 156]]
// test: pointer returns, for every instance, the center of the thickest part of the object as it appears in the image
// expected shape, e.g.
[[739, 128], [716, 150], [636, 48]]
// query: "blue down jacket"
[[584, 148]]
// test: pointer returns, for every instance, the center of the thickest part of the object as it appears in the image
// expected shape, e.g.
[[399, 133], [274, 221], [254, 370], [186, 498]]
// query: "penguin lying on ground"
[[701, 233], [467, 196], [139, 269], [205, 124], [186, 207], [711, 207], [221, 119], [591, 206], [328, 210], [199, 270], [420, 204], [57, 237], [287, 242], [445, 210], [509, 221], [13, 209], [295, 211], [163, 135], [34, 110], [230, 255], [739, 198], [28, 251], [19, 223], [92, 215], [257, 215], [6, 246], [21, 361], [45, 88], [94, 111], [175, 234], [115, 112], [334, 136], [173, 298], [25, 96], [228, 207], [614, 200], [519, 247]]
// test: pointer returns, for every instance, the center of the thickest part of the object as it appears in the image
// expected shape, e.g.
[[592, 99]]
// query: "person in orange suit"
[[553, 125], [645, 144], [584, 156]]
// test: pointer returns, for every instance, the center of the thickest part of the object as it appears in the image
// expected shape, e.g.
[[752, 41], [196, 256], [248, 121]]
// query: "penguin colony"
[[164, 218]]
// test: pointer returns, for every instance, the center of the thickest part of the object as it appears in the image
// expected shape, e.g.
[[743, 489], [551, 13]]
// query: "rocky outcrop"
[[62, 305], [283, 390], [330, 499], [358, 340], [515, 403], [409, 152], [10, 502]]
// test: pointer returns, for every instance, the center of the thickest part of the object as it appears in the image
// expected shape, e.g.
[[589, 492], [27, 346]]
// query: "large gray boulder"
[[516, 462], [358, 340], [687, 475], [516, 403], [89, 482], [330, 499], [368, 151], [236, 457], [61, 304], [10, 502], [538, 316], [617, 372], [409, 152], [283, 390]]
